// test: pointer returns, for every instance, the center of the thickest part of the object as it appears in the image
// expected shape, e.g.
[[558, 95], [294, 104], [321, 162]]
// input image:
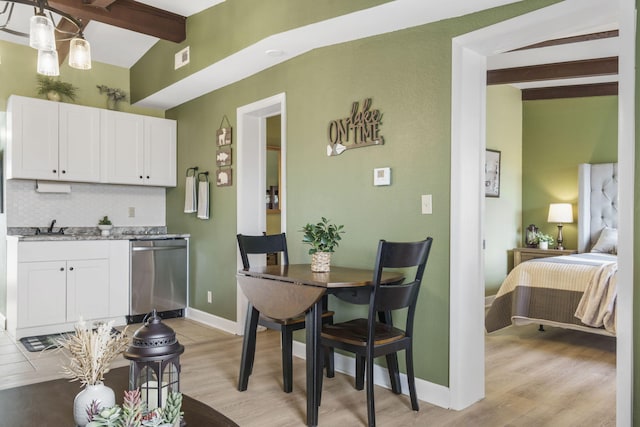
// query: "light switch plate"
[[382, 176], [427, 204]]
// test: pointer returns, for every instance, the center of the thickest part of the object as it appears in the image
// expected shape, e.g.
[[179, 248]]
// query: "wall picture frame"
[[223, 136], [223, 177], [223, 157], [492, 173]]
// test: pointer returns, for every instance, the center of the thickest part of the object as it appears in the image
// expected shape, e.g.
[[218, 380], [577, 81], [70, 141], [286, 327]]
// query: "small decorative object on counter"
[[90, 351], [105, 226], [323, 238], [154, 357]]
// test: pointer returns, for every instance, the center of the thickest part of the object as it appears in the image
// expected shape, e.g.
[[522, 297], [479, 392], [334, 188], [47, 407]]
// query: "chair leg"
[[287, 360], [248, 347], [371, 408], [360, 364], [328, 362], [394, 373], [411, 379]]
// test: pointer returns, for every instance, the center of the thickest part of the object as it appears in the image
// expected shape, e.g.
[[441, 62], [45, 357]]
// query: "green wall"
[[558, 135], [502, 217], [408, 76], [18, 77]]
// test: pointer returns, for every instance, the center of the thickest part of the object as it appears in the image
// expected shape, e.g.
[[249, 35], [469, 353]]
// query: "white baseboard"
[[429, 392], [211, 320]]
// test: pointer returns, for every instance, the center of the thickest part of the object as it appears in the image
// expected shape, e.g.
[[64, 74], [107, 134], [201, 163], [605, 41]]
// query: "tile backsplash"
[[84, 205]]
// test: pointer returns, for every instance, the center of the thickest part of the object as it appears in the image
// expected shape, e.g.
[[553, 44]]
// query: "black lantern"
[[155, 362]]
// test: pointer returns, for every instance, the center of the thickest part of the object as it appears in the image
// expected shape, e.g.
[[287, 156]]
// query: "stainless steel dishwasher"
[[159, 278]]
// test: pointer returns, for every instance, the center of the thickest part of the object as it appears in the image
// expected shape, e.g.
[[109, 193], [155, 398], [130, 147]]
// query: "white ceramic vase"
[[105, 230], [103, 395], [543, 245]]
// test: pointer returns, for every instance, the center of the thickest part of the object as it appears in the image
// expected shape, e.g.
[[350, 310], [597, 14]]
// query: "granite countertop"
[[92, 233]]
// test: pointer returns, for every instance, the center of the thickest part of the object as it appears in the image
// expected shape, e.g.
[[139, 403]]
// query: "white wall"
[[503, 215], [84, 205]]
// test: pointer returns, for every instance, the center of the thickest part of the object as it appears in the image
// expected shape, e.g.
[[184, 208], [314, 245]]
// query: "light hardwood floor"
[[556, 378]]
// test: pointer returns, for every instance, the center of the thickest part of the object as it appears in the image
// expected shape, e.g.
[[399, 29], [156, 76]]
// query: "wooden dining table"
[[286, 291]]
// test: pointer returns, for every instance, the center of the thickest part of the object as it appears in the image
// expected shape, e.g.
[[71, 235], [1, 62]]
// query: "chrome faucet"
[[50, 229]]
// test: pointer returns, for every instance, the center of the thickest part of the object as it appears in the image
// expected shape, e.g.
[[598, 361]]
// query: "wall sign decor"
[[223, 134], [223, 157], [360, 129], [492, 174], [223, 177]]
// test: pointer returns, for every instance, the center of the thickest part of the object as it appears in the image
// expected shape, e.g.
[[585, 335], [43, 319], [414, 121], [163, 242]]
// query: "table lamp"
[[560, 213]]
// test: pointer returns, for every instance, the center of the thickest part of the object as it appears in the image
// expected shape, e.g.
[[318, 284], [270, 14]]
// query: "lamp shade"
[[79, 53], [48, 63], [41, 35], [560, 213]]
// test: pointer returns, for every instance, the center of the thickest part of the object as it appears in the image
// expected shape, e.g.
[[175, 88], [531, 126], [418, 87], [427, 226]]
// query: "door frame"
[[468, 121], [251, 163]]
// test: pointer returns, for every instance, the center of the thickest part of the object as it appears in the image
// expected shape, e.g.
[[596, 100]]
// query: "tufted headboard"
[[597, 201]]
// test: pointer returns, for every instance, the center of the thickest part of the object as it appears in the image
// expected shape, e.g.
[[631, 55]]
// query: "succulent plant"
[[108, 417], [171, 413]]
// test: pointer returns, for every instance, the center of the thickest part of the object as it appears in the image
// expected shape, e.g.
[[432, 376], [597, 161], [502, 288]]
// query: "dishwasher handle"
[[156, 248]]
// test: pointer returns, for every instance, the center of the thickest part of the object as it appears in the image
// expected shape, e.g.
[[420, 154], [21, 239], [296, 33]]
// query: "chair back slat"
[[264, 244], [394, 297]]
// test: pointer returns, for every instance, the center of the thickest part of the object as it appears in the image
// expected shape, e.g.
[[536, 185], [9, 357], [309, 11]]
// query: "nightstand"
[[525, 254]]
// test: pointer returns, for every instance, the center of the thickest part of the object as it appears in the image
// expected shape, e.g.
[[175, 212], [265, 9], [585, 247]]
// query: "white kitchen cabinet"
[[53, 141], [138, 149], [52, 284]]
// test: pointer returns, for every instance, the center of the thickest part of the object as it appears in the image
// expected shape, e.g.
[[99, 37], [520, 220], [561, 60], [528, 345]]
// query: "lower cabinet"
[[51, 285]]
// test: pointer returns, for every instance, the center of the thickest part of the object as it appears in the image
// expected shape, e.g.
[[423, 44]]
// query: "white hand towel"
[[190, 201], [203, 200]]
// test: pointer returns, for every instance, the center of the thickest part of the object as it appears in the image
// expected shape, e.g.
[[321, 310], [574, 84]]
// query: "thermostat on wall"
[[382, 176]]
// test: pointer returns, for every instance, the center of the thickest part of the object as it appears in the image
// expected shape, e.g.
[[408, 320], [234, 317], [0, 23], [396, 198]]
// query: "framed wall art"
[[223, 177], [492, 174], [223, 134], [223, 157]]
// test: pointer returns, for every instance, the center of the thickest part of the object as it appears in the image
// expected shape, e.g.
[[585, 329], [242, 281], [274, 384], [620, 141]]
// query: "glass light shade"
[[79, 54], [48, 63], [41, 35], [561, 213]]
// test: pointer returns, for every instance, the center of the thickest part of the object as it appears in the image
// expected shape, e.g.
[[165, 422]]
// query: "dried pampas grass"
[[91, 351]]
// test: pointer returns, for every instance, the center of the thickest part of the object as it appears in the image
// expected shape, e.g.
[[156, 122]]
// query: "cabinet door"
[[79, 143], [122, 147], [41, 293], [32, 148], [160, 152], [87, 289]]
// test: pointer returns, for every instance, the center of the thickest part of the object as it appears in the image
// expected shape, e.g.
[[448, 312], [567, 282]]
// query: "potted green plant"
[[55, 90], [323, 238], [544, 240], [105, 225]]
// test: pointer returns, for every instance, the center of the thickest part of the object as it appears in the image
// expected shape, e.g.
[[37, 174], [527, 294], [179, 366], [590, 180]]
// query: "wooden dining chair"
[[268, 244], [370, 338]]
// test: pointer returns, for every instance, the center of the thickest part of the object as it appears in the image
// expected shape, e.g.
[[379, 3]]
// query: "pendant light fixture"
[[42, 36]]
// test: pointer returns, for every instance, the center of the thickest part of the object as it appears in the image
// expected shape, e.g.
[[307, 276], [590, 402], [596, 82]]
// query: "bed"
[[572, 291]]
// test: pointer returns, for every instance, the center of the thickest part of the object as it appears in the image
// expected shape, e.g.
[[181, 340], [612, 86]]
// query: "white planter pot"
[[105, 230], [543, 245], [100, 393]]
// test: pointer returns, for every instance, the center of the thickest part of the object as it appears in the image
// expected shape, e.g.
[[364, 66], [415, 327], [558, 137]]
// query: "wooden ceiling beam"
[[573, 39], [130, 15], [575, 91], [99, 3], [560, 70]]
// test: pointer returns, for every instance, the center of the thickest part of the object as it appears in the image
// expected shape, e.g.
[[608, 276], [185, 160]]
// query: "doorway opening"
[[252, 177], [469, 53]]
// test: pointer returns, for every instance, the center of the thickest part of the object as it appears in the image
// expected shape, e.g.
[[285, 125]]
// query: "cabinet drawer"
[[51, 251]]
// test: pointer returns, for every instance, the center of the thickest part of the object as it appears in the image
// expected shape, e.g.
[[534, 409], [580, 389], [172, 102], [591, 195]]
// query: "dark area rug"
[[42, 342]]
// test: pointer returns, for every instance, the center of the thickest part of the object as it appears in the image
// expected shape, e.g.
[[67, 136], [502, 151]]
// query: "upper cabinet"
[[138, 149], [66, 142]]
